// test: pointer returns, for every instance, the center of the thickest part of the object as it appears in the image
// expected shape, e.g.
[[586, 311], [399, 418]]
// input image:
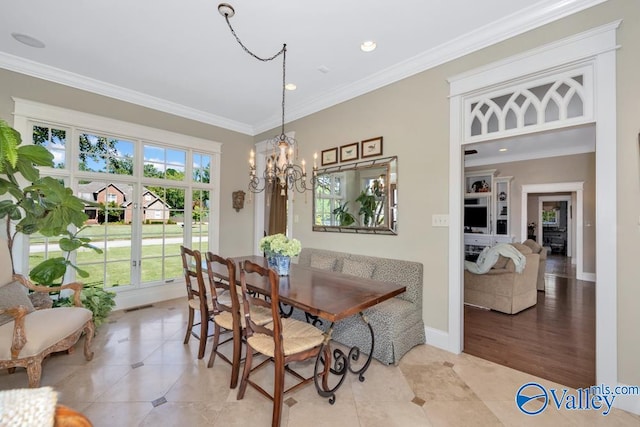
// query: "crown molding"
[[67, 78], [536, 15]]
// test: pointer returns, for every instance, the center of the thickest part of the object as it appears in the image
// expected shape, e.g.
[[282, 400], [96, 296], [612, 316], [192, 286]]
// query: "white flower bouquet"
[[279, 244]]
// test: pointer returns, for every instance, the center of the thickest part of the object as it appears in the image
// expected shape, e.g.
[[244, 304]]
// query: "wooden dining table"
[[328, 295]]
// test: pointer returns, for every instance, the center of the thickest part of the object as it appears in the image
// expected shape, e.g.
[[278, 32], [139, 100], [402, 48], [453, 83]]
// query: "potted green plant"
[[371, 201], [344, 217], [34, 204]]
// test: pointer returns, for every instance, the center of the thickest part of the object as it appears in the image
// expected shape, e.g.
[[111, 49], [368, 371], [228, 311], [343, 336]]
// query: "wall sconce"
[[238, 200]]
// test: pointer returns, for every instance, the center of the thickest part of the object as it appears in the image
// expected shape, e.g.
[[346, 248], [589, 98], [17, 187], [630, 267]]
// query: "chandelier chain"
[[282, 171], [282, 52]]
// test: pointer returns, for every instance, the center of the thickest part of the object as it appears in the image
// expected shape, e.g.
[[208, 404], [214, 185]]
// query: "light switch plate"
[[440, 220]]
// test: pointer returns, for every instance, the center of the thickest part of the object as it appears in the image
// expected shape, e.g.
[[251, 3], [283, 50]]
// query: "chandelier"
[[281, 170]]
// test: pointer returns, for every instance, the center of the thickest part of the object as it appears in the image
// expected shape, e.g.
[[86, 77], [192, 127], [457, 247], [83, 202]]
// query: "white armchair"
[[27, 335]]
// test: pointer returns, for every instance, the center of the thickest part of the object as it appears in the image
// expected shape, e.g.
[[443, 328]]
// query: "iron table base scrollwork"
[[339, 363]]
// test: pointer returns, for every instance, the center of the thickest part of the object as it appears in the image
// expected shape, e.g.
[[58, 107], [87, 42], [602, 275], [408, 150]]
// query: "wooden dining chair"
[[226, 316], [284, 340], [197, 298]]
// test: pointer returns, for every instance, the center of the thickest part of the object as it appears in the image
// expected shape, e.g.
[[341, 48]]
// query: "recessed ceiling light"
[[28, 40], [368, 46], [290, 86], [502, 150]]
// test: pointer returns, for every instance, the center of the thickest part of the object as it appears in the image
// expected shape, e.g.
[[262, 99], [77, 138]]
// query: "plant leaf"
[[9, 141], [49, 271]]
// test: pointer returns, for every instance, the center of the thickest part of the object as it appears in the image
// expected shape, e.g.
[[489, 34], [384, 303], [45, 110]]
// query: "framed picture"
[[371, 147], [329, 156], [349, 152]]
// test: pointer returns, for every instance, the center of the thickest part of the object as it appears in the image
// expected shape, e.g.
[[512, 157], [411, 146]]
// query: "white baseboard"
[[629, 403], [588, 277], [437, 338], [138, 297]]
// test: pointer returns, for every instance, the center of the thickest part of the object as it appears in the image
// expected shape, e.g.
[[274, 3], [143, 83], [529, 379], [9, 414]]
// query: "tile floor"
[[143, 375]]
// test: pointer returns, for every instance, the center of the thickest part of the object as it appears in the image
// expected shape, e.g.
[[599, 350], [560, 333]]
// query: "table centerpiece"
[[279, 249]]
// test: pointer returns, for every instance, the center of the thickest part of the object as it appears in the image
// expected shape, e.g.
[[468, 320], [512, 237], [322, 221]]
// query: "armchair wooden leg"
[[34, 372]]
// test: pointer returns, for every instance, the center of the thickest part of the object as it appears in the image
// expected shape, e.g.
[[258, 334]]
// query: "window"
[[164, 163], [54, 140], [105, 154], [330, 194], [550, 217], [138, 194], [201, 166]]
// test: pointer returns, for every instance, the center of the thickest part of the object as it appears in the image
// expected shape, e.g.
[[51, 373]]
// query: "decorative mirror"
[[359, 197]]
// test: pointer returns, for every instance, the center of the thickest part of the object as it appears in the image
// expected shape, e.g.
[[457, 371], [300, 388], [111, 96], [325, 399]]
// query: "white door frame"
[[598, 48], [570, 233], [560, 187]]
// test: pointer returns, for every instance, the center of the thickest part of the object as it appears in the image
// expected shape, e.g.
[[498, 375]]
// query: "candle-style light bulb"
[[315, 157], [303, 167]]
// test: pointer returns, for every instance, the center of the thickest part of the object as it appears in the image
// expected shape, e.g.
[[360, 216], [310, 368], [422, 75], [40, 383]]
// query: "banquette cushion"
[[358, 268]]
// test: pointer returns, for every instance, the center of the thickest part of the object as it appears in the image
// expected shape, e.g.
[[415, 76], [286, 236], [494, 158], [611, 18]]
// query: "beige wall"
[[236, 231], [580, 167], [413, 117]]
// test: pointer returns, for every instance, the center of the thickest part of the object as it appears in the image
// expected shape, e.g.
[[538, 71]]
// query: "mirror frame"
[[364, 164]]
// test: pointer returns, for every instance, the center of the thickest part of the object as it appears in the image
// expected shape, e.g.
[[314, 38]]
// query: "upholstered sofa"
[[397, 323], [542, 267], [502, 288]]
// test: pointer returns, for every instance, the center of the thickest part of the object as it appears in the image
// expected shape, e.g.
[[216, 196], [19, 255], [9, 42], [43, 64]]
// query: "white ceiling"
[[559, 142], [180, 57]]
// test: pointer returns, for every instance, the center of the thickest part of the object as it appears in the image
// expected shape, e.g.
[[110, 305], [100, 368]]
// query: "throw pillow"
[[12, 295], [358, 268], [533, 245], [523, 249], [501, 263], [323, 262]]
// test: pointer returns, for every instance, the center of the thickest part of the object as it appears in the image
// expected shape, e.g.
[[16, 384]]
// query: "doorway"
[[595, 48]]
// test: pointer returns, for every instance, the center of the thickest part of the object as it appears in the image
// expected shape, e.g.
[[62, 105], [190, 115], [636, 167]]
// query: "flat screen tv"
[[475, 216]]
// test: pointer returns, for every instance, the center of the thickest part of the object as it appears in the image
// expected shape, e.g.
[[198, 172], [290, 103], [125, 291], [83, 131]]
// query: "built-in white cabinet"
[[487, 210], [502, 198]]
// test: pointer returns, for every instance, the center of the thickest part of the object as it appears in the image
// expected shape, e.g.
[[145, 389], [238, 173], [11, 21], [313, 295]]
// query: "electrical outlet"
[[440, 220]]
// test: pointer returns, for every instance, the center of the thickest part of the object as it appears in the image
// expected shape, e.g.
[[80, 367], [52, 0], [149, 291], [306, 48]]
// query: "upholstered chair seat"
[[45, 328]]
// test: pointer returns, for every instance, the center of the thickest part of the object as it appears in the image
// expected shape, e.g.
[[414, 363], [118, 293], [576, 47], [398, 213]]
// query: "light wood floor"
[[555, 339]]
